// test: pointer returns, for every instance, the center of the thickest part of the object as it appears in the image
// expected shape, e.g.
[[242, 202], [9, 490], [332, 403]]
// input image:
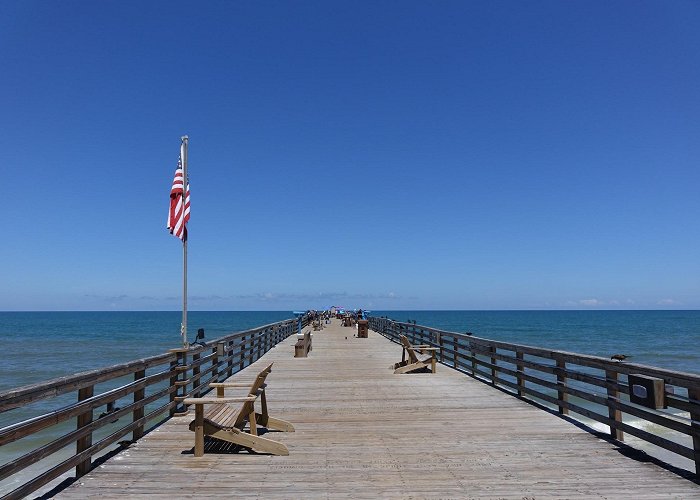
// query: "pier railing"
[[94, 410], [625, 397]]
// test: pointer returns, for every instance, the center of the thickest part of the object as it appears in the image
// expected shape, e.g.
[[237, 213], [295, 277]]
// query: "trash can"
[[362, 328]]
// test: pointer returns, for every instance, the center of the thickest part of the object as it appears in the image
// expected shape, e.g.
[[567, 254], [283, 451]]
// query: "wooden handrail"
[[554, 376], [157, 387], [21, 396]]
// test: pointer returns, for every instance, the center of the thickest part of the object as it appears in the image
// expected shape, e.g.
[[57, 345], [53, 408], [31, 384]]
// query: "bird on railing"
[[619, 357]]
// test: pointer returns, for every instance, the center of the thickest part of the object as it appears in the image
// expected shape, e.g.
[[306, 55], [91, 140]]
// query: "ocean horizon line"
[[291, 310]]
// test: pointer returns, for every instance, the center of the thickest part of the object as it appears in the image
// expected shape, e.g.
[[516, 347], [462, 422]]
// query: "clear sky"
[[384, 155]]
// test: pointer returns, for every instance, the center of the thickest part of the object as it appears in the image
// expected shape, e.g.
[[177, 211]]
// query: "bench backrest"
[[409, 348], [248, 406]]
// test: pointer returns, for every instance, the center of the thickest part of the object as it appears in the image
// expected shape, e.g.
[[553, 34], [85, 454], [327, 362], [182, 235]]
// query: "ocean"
[[666, 339], [39, 346]]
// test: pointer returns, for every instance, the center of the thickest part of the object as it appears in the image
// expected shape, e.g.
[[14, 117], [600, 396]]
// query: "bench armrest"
[[230, 384], [204, 401]]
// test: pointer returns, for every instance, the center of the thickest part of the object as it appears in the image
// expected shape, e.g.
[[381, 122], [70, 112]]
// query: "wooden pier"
[[363, 432]]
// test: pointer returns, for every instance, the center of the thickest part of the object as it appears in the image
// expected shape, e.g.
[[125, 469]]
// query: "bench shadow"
[[215, 446]]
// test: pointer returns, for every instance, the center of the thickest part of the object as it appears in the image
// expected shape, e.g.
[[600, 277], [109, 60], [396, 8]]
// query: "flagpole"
[[183, 327]]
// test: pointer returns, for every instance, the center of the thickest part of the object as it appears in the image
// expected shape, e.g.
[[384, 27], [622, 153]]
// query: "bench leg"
[[253, 423], [263, 408], [198, 430]]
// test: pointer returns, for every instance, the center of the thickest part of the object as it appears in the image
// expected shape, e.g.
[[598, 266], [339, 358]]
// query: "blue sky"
[[385, 155]]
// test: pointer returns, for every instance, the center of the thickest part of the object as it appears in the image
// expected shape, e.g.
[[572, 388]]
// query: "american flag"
[[179, 215]]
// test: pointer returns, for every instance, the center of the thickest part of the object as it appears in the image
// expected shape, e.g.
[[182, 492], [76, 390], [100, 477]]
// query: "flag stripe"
[[177, 216]]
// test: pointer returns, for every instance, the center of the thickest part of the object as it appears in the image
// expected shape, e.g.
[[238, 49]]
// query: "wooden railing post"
[[173, 380], [521, 369], [455, 351], [473, 356], [562, 395], [494, 370], [229, 355], [613, 395], [196, 380], [180, 382], [694, 397], [241, 365], [138, 413], [85, 442], [217, 351]]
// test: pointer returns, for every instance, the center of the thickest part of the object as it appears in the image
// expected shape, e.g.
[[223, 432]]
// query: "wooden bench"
[[303, 346], [225, 422], [420, 357]]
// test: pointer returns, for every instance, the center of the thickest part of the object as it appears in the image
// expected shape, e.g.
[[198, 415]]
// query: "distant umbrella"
[[619, 357]]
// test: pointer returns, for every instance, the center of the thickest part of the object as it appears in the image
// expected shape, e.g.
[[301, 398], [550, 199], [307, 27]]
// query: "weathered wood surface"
[[363, 432]]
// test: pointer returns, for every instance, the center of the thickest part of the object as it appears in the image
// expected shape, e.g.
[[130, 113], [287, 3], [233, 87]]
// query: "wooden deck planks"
[[363, 432]]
